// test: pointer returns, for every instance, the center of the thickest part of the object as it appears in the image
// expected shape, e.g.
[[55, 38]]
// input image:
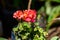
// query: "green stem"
[[48, 26]]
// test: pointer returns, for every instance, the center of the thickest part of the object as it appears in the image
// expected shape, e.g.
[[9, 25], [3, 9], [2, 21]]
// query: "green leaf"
[[55, 38], [2, 38], [45, 33], [35, 29], [41, 38], [36, 37], [48, 7], [24, 37], [15, 29], [27, 34], [20, 26], [51, 0], [56, 1], [54, 13], [27, 24], [41, 0], [42, 9], [30, 29], [36, 23], [40, 30]]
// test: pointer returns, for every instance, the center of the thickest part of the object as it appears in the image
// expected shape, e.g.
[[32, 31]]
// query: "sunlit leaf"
[[20, 27], [25, 24], [54, 13], [27, 34], [36, 37], [41, 38], [35, 29], [40, 30], [55, 38], [48, 7], [24, 37], [45, 33]]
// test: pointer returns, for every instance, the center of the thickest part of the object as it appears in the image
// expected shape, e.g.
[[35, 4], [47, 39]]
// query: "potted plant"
[[34, 25]]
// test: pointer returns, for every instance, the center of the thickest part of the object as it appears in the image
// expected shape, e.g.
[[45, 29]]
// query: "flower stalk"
[[29, 4]]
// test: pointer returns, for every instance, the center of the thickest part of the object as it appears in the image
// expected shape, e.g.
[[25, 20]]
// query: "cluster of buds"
[[26, 15]]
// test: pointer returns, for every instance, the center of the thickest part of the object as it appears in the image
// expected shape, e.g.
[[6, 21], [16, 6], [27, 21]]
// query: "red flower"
[[28, 19], [29, 15], [18, 14]]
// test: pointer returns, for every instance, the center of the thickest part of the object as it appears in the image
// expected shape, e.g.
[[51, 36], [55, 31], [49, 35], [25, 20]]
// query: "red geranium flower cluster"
[[27, 15], [18, 14]]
